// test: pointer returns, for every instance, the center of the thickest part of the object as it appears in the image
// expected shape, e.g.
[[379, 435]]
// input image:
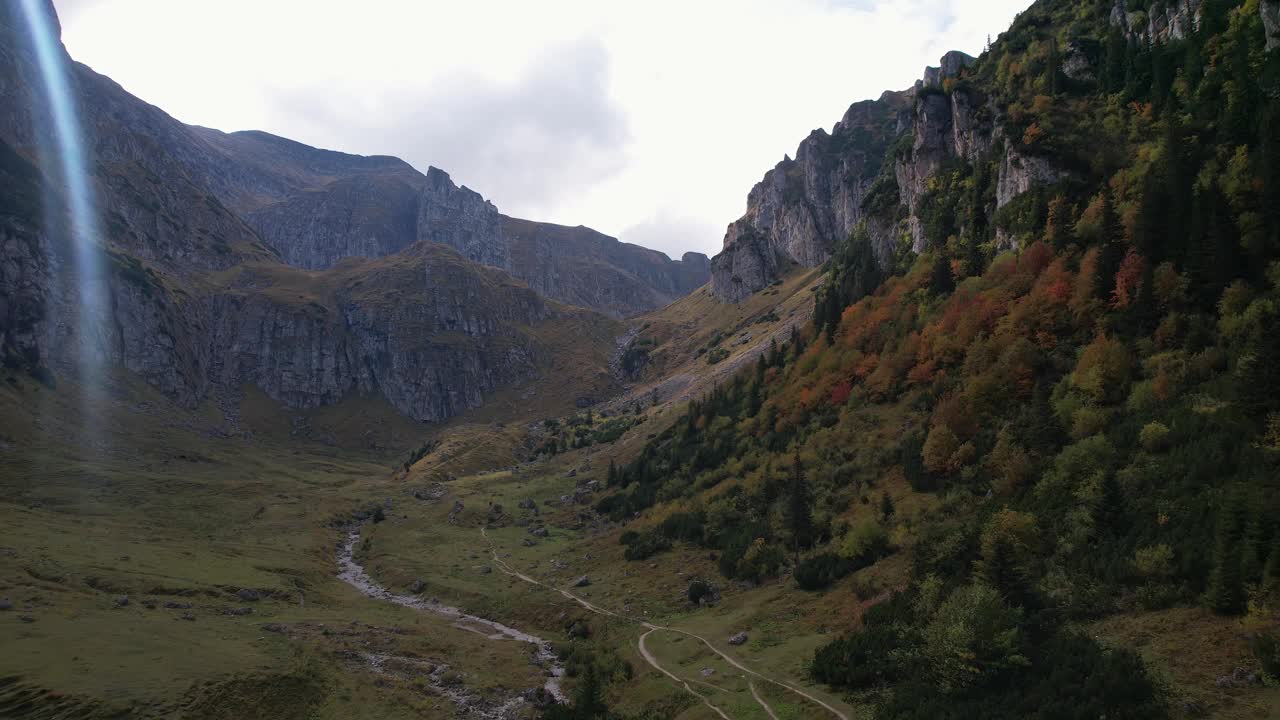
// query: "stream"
[[354, 574]]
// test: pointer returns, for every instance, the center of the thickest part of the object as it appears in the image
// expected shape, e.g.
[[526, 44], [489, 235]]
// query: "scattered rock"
[[457, 508], [527, 504], [26, 618], [573, 472], [239, 611], [1193, 709], [593, 485], [274, 628], [121, 600], [528, 542], [484, 569], [582, 581], [248, 595], [187, 616], [175, 605], [739, 638], [538, 532], [708, 672]]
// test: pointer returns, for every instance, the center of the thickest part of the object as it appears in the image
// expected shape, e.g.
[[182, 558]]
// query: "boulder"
[[484, 569], [6, 604], [739, 638], [121, 600], [248, 595], [582, 581], [417, 586]]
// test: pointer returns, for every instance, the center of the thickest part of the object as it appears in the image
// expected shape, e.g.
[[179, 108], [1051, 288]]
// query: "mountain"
[[320, 206], [247, 259]]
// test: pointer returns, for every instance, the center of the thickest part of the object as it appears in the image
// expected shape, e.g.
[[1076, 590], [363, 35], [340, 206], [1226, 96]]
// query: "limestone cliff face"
[[803, 207], [197, 305], [1162, 22], [1270, 10], [316, 207]]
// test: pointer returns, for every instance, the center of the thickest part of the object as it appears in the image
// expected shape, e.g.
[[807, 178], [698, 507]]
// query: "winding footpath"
[[748, 673]]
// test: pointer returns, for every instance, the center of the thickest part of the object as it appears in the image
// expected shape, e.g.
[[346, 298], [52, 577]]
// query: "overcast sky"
[[648, 120]]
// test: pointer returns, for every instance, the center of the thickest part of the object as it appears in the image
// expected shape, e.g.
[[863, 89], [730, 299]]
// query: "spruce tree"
[[588, 699], [799, 510], [886, 506], [1001, 570], [1111, 515], [1226, 583]]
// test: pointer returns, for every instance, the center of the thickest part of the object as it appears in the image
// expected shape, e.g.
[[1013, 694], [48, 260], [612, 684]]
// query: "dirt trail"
[[756, 694], [650, 627], [649, 658]]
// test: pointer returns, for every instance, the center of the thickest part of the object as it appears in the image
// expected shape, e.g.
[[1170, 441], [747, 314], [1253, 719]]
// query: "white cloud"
[[649, 120]]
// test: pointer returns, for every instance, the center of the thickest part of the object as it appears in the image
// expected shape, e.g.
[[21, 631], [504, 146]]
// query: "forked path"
[[650, 627]]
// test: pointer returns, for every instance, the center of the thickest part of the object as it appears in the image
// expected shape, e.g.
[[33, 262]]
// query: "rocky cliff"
[[803, 206], [197, 305], [316, 207]]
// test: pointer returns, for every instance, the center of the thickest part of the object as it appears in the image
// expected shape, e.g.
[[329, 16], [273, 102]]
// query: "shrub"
[[646, 546], [1153, 561], [1154, 437], [699, 589], [866, 539], [821, 571], [1266, 648]]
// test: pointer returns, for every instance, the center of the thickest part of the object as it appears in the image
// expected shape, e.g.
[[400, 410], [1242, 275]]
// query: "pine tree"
[[1111, 515], [1226, 583], [611, 479], [1258, 374], [588, 699], [941, 281], [1113, 247], [799, 510], [1002, 571], [886, 506], [1270, 587]]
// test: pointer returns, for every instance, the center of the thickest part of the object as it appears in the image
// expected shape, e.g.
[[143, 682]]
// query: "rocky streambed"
[[354, 574]]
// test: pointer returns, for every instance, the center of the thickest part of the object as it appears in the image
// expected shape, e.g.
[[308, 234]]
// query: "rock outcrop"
[[803, 207], [1270, 10], [875, 168], [1162, 22]]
